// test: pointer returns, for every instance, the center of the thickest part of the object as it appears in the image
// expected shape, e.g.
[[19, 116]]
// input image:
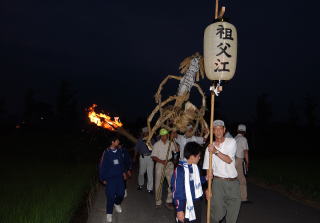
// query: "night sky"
[[115, 53]]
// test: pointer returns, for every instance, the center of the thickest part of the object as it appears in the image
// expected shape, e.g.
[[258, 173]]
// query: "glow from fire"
[[103, 120]]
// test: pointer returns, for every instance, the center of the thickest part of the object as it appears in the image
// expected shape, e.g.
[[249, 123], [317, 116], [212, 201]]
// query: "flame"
[[103, 120]]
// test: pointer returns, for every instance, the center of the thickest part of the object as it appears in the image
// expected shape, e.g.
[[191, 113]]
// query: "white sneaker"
[[109, 217], [125, 193], [118, 208]]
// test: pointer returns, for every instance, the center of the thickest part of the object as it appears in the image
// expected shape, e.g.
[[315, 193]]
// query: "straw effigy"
[[177, 112]]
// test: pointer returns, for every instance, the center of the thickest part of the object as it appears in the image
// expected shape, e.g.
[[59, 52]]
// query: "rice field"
[[42, 192]]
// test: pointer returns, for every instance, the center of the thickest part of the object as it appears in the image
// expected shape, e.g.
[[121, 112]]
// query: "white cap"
[[242, 127], [145, 129], [218, 123], [189, 127]]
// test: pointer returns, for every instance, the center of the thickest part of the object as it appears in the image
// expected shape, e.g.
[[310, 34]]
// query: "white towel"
[[190, 213]]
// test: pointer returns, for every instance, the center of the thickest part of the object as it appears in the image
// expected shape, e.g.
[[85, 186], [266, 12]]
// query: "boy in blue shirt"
[[187, 185], [112, 175]]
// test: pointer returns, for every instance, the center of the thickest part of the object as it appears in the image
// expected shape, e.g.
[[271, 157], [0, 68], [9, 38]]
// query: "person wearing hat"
[[241, 155], [146, 164], [182, 140], [225, 197], [159, 153]]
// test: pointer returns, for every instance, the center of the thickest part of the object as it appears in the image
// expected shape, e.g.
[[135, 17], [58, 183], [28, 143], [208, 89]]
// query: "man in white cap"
[[225, 197], [241, 155], [182, 140], [146, 164]]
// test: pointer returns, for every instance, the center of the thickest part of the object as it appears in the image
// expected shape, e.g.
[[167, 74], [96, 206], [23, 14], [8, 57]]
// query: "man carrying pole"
[[225, 196], [220, 65], [162, 154]]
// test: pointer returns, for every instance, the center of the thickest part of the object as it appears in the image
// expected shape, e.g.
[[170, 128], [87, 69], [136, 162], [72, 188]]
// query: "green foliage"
[[42, 192]]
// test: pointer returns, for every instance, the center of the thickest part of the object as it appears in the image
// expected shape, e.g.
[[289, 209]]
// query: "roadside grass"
[[296, 175], [44, 176], [42, 192]]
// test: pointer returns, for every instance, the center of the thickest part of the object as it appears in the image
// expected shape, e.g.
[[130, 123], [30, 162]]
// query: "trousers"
[[242, 179], [146, 164], [168, 175], [225, 200], [114, 192]]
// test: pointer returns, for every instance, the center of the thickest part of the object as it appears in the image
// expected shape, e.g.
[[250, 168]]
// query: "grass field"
[[296, 174], [42, 192], [44, 176]]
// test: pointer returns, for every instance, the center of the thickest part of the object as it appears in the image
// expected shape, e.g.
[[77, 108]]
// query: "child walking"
[[187, 186], [112, 175]]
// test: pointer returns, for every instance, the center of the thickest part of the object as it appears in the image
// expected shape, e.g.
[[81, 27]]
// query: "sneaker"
[[125, 193], [158, 206], [118, 208], [109, 218], [150, 191], [139, 188]]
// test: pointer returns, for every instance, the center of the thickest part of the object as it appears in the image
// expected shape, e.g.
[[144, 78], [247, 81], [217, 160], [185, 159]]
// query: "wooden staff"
[[159, 189], [219, 89], [218, 14], [216, 9], [210, 153], [125, 133]]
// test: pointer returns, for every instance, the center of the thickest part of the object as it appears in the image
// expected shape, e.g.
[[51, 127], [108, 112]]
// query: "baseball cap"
[[242, 127], [163, 132], [218, 123], [145, 129], [189, 127]]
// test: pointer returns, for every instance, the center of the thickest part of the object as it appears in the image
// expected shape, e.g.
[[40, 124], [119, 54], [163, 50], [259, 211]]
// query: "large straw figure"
[[181, 112], [220, 56], [177, 112]]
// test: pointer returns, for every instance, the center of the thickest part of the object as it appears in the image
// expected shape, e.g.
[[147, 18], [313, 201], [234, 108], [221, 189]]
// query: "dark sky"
[[115, 53]]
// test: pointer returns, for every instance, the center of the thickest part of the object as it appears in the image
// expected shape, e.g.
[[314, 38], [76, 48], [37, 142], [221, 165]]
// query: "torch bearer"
[[220, 57]]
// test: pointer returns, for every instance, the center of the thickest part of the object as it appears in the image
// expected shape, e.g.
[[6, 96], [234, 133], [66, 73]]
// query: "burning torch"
[[109, 123]]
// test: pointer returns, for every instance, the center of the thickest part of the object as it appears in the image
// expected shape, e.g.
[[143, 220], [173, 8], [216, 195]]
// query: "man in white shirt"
[[225, 198], [159, 155], [242, 154], [182, 140]]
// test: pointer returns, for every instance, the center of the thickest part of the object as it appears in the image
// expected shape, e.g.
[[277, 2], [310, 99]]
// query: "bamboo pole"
[[211, 133], [125, 133], [216, 9], [210, 153]]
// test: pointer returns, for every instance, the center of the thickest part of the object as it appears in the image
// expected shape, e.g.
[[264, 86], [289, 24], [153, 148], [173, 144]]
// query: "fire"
[[103, 120]]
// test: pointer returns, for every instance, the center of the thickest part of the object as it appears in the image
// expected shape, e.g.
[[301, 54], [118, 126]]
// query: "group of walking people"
[[185, 180]]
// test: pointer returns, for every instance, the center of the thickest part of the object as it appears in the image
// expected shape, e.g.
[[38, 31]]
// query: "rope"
[[216, 89]]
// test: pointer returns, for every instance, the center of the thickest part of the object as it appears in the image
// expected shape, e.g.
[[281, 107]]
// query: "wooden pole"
[[216, 10], [125, 133], [210, 153]]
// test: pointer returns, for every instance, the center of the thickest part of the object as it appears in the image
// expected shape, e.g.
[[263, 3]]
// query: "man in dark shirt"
[[146, 164]]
